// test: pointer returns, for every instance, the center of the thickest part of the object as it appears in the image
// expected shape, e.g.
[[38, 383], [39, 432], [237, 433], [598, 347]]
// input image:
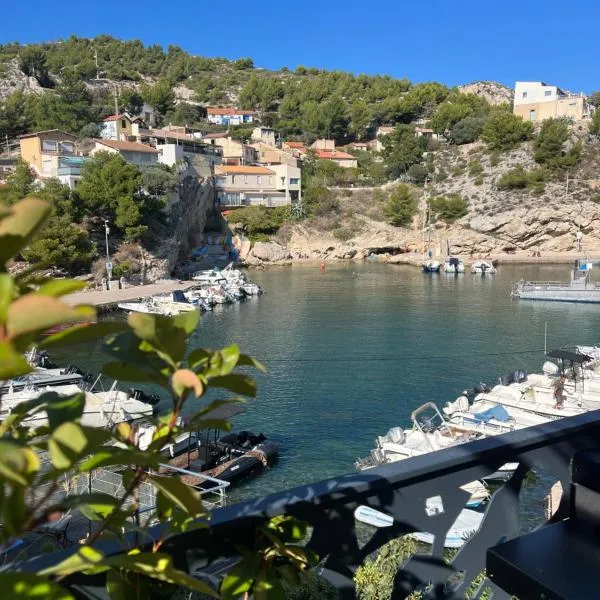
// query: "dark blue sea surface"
[[351, 351]]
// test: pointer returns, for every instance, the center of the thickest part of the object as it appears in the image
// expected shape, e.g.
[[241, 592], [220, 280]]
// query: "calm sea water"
[[353, 350]]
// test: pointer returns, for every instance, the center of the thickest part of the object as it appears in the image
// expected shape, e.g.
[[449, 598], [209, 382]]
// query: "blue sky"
[[451, 41]]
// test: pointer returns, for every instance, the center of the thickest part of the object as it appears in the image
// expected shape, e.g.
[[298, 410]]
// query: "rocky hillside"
[[494, 93], [498, 222]]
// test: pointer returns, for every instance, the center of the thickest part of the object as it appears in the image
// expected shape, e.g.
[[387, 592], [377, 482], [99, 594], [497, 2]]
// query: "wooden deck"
[[129, 294]]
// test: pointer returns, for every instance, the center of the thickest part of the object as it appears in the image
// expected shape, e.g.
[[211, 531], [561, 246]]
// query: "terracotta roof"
[[334, 155], [243, 169], [36, 133], [222, 110], [127, 146], [294, 144], [167, 133], [116, 117], [215, 136]]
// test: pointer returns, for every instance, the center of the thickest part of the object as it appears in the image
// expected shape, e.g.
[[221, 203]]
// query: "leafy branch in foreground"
[[44, 446]]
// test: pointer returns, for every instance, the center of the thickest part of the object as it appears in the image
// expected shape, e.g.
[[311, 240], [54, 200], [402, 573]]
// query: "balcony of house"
[[425, 493], [270, 199], [70, 166]]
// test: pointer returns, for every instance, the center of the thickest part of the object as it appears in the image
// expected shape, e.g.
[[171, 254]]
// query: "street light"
[[108, 262]]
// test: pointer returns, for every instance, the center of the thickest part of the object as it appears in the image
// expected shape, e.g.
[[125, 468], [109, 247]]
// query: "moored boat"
[[483, 267]]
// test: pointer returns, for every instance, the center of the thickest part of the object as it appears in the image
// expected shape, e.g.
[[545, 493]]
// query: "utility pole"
[[96, 59], [116, 100], [108, 263]]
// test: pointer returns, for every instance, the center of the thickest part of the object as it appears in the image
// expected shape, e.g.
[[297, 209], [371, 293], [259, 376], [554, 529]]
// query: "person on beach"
[[322, 266], [559, 392]]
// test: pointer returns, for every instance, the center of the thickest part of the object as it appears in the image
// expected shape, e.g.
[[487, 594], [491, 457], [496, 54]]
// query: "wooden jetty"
[[108, 298]]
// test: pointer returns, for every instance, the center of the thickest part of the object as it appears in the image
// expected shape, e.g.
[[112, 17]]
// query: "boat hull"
[[591, 296]]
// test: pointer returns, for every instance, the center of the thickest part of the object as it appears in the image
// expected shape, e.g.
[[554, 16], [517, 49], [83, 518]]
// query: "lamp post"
[[108, 262]]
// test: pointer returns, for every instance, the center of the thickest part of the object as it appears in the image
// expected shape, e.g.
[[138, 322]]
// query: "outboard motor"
[[480, 388]]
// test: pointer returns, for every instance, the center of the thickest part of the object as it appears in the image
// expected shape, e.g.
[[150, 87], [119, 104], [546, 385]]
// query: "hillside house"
[[52, 153], [376, 144], [297, 149], [248, 185], [117, 127], [175, 147], [233, 152], [536, 101], [220, 115], [140, 155], [343, 159], [428, 133], [323, 144], [264, 134], [266, 154]]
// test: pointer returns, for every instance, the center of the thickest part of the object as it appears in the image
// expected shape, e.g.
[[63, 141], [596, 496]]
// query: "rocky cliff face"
[[494, 93], [188, 216], [14, 80]]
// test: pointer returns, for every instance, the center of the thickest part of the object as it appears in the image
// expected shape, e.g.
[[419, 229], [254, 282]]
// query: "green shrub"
[[260, 222], [478, 180], [549, 146], [418, 174], [475, 168], [400, 207], [319, 201], [449, 208], [519, 179], [343, 234], [467, 130], [504, 131]]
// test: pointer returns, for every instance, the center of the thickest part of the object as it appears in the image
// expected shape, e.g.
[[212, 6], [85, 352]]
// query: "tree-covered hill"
[[305, 102]]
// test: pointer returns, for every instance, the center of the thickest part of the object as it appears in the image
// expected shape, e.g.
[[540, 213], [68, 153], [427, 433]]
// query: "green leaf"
[[95, 506], [292, 530], [185, 379], [29, 586], [161, 334], [36, 313], [70, 442], [247, 361], [7, 293], [118, 587], [187, 321], [84, 559], [268, 586], [26, 218], [240, 578], [63, 408], [12, 362], [222, 362], [179, 493], [78, 335], [113, 455], [198, 357], [18, 464], [61, 287], [158, 566], [127, 372], [237, 383], [15, 511]]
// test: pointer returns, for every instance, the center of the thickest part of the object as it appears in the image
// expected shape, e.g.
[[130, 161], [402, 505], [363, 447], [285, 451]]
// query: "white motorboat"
[[102, 408], [167, 305], [434, 433], [209, 278], [251, 289], [466, 524], [431, 266], [483, 267], [454, 265]]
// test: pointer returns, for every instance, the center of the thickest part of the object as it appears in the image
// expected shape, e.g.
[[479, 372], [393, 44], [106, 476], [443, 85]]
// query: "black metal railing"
[[401, 490]]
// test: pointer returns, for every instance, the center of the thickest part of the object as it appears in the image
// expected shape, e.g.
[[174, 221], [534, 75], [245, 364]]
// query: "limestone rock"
[[270, 252]]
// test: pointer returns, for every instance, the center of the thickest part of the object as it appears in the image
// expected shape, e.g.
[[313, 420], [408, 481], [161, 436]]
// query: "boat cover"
[[569, 355], [496, 412]]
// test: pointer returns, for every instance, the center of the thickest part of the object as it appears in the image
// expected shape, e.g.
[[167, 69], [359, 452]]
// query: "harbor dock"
[[108, 298]]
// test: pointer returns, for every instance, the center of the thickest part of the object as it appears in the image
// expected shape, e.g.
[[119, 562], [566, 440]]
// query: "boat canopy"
[[569, 355]]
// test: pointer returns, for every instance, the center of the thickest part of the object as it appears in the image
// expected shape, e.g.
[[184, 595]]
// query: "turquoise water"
[[353, 350]]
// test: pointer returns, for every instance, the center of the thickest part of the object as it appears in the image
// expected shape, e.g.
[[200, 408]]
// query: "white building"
[[536, 101]]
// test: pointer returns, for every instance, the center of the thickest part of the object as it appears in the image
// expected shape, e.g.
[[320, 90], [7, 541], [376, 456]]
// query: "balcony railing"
[[400, 490]]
